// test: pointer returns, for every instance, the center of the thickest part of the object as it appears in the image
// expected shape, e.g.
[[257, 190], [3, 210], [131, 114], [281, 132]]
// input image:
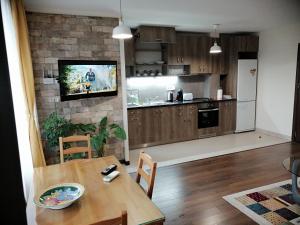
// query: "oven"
[[208, 115]]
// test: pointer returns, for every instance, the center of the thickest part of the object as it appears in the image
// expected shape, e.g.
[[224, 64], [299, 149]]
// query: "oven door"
[[208, 118]]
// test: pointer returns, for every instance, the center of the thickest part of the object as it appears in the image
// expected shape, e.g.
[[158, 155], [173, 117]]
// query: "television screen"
[[84, 79]]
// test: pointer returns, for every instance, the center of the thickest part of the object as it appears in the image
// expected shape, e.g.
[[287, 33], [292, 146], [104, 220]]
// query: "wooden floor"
[[191, 193]]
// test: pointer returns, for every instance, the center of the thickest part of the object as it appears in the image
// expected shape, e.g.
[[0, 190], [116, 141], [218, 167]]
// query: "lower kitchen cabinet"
[[135, 127], [161, 125], [227, 117]]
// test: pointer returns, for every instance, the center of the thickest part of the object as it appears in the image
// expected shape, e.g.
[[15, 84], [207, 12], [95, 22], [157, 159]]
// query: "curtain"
[[20, 23]]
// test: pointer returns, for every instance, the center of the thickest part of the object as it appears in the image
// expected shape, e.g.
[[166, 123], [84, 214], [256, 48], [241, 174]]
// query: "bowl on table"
[[59, 196]]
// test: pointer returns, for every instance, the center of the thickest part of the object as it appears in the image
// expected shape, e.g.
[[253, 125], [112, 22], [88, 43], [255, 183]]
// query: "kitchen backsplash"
[[155, 88]]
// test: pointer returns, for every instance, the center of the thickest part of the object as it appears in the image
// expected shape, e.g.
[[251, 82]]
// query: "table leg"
[[295, 190]]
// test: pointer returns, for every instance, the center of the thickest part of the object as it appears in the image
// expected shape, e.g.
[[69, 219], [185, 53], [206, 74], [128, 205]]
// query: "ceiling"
[[188, 15]]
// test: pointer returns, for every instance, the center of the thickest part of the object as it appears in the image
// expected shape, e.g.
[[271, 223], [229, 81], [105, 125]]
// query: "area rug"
[[268, 205]]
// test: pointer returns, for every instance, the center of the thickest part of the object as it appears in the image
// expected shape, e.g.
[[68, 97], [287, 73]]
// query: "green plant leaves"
[[103, 123], [56, 126], [119, 133]]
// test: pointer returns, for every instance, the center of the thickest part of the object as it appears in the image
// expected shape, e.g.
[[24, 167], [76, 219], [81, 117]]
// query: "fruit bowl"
[[59, 196]]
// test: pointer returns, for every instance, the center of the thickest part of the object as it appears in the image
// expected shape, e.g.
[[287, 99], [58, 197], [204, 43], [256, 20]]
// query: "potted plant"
[[104, 132], [56, 126]]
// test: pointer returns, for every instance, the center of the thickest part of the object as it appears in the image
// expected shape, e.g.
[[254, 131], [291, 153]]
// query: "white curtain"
[[19, 99]]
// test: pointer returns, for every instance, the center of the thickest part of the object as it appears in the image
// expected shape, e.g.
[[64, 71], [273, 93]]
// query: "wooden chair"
[[149, 178], [72, 150], [121, 220]]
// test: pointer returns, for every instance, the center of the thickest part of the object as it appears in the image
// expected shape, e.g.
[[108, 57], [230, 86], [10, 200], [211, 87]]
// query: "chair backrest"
[[79, 138], [149, 178], [121, 220]]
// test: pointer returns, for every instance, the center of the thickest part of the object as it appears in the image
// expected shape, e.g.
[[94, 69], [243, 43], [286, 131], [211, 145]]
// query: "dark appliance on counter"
[[179, 96], [170, 96], [208, 114]]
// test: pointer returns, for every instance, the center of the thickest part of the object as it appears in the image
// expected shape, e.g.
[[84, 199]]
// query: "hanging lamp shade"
[[121, 32], [215, 49]]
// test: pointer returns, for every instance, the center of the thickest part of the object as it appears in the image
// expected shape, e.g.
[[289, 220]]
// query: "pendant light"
[[215, 49], [122, 31]]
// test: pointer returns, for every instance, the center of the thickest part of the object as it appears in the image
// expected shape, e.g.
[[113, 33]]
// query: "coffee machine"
[[179, 95]]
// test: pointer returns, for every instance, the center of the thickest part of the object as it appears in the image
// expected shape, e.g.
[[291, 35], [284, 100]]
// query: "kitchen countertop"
[[162, 104]]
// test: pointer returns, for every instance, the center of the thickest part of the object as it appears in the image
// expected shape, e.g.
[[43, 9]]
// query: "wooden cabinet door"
[[224, 56], [200, 62], [152, 125], [227, 116], [205, 44], [135, 127], [175, 52], [129, 47], [179, 121], [187, 46], [191, 121], [252, 43], [153, 34], [215, 59], [195, 61], [247, 43], [167, 34], [167, 124]]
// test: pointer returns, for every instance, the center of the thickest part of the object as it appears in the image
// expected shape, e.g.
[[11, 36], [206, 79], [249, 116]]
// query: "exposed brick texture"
[[54, 37]]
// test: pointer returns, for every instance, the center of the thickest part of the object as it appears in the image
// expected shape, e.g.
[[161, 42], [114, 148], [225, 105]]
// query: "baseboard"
[[123, 161], [271, 133]]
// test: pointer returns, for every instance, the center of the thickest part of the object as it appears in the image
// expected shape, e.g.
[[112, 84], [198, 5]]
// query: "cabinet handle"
[[177, 59], [182, 59]]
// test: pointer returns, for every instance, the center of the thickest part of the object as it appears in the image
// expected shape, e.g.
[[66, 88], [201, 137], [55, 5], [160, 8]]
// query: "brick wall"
[[54, 37]]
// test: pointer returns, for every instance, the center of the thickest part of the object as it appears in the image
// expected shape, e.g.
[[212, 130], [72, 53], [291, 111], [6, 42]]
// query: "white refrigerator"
[[246, 95]]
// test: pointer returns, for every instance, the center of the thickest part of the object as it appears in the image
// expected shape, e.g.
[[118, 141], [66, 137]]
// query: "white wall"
[[276, 79]]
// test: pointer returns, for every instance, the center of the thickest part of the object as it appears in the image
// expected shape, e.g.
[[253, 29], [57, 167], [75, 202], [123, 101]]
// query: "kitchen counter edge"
[[177, 103]]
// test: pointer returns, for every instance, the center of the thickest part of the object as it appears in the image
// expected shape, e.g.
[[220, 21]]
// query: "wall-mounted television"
[[86, 78]]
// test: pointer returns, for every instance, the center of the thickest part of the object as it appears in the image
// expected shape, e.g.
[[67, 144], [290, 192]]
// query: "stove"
[[202, 99], [208, 113]]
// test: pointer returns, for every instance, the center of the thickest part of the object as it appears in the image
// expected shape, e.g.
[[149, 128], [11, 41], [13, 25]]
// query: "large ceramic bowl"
[[59, 196]]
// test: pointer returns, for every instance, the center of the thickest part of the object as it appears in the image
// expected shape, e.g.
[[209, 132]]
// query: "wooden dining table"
[[100, 200]]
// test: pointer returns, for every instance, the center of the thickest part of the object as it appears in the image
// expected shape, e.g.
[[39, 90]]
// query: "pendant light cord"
[[121, 16]]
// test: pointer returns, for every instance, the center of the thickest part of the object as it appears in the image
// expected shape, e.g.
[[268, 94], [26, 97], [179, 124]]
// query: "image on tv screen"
[[87, 79]]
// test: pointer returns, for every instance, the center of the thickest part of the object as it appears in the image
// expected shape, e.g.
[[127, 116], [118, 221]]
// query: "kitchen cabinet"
[[135, 127], [201, 60], [180, 52], [168, 124], [247, 43], [184, 122], [227, 117], [152, 34], [191, 121], [219, 62], [161, 125], [129, 46]]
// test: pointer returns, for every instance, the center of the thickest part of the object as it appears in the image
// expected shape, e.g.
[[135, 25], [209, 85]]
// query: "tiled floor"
[[175, 153]]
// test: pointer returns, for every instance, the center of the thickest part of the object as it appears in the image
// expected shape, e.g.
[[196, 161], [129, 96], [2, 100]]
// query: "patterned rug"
[[267, 205]]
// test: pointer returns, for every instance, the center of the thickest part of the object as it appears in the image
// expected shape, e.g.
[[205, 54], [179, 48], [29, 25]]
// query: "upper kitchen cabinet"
[[152, 34], [219, 62], [180, 52], [201, 62], [129, 45], [247, 43]]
